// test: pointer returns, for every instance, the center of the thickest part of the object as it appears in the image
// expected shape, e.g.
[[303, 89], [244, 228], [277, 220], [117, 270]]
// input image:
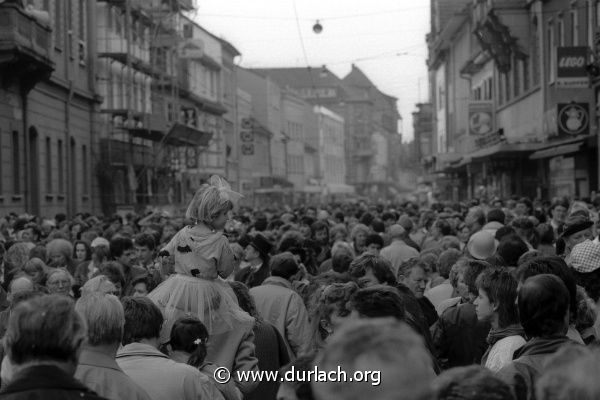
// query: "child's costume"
[[202, 257]]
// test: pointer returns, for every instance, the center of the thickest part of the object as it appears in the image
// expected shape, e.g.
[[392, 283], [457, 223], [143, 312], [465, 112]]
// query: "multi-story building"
[[231, 127], [331, 153], [513, 110], [49, 133], [369, 117], [268, 123], [200, 97], [423, 137]]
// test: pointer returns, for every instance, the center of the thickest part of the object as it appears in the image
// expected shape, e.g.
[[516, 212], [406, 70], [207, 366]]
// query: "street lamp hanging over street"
[[317, 27]]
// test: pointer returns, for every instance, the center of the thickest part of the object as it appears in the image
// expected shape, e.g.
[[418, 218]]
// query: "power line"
[[296, 18]]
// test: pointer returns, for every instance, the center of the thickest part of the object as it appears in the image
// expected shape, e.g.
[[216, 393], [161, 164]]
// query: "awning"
[[312, 189], [504, 148], [556, 151], [189, 135], [340, 188]]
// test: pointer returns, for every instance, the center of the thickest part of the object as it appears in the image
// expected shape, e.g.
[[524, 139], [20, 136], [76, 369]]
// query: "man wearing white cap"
[[482, 245]]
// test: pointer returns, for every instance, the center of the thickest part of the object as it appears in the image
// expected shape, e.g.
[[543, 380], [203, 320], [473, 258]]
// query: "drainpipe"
[[28, 201], [67, 152]]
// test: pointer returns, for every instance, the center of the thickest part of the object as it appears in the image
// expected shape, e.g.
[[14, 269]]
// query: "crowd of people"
[[483, 300]]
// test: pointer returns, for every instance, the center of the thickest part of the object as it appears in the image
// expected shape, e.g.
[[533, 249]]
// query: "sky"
[[384, 38]]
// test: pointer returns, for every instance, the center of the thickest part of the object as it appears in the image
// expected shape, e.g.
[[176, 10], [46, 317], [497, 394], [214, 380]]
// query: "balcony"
[[25, 46]]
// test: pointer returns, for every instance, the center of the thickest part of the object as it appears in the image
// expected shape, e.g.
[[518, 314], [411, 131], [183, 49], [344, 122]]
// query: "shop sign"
[[573, 119], [571, 69], [247, 137], [481, 120]]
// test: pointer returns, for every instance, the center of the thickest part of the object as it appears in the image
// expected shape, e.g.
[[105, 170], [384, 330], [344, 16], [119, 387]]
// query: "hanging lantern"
[[317, 27]]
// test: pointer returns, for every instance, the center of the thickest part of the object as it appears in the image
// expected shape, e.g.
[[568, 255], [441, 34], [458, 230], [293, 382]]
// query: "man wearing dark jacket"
[[42, 342], [459, 338], [543, 303]]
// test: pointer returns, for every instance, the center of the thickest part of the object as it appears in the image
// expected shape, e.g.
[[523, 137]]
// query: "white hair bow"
[[225, 189]]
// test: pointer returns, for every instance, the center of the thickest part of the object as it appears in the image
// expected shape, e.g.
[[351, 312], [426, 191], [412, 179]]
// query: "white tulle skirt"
[[211, 301]]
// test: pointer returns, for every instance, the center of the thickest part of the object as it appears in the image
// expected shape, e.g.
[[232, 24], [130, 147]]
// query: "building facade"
[[48, 107], [513, 110]]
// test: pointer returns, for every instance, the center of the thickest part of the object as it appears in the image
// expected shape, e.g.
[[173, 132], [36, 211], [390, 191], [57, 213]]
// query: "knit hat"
[[482, 245], [585, 257]]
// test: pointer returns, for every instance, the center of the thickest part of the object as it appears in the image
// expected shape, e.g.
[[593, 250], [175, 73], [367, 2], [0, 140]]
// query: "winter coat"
[[528, 363], [46, 382]]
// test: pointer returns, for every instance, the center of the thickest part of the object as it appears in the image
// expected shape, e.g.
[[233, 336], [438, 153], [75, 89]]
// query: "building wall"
[[331, 147], [59, 116]]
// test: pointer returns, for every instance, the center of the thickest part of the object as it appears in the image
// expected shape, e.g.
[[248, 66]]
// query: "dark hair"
[[340, 262], [527, 202], [471, 383], [366, 219], [407, 266], [284, 265], [472, 272], [381, 268], [190, 335], [444, 227], [319, 226], [496, 215], [88, 250], [378, 301], [556, 266], [389, 215], [512, 247], [143, 319], [505, 231], [374, 238], [145, 279], [146, 240], [446, 260], [546, 233], [40, 252], [543, 302], [590, 281], [113, 271], [378, 226], [245, 300], [120, 245], [501, 289], [302, 388]]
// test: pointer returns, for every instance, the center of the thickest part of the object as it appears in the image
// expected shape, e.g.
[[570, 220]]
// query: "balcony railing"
[[26, 39]]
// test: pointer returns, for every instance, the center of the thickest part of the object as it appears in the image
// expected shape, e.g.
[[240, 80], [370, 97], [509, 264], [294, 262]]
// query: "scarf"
[[496, 335]]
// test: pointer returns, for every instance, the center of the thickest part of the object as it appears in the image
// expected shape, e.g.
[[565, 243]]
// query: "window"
[[516, 77], [16, 163], [590, 23], [81, 26], [48, 165], [57, 29], [70, 33], [500, 90], [561, 31], [61, 168], [535, 53], [526, 80], [551, 52], [574, 25], [507, 95], [84, 160]]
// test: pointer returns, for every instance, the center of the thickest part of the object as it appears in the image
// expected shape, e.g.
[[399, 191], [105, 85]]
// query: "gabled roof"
[[357, 78]]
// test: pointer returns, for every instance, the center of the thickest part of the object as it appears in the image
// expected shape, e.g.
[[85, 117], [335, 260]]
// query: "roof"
[[229, 47], [357, 78], [300, 77]]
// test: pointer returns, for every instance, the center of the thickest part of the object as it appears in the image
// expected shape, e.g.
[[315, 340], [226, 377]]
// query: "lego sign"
[[247, 136], [571, 69]]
